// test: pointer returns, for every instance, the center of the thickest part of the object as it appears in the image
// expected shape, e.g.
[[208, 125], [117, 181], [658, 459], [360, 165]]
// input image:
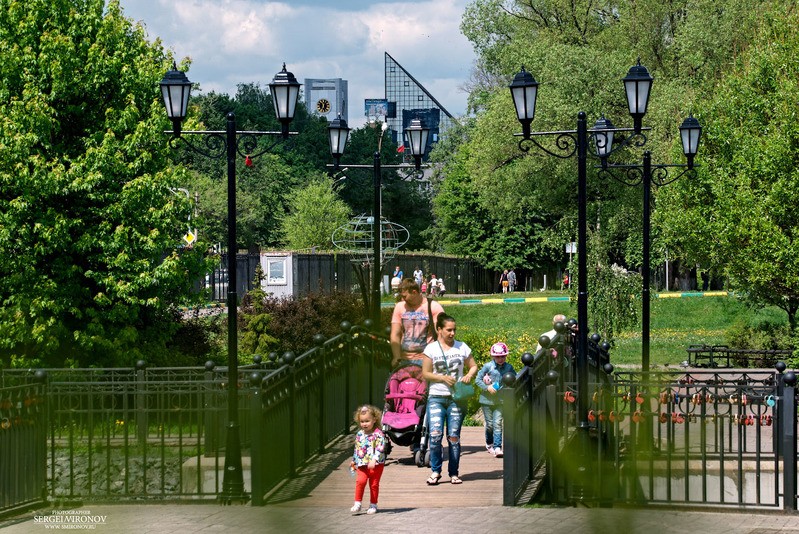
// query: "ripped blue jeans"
[[440, 411], [493, 425]]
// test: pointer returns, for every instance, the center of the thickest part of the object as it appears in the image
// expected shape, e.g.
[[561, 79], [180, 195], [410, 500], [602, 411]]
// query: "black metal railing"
[[719, 438], [139, 433], [129, 433], [698, 438], [535, 425], [297, 410], [23, 435], [715, 356], [715, 438], [575, 463], [529, 430]]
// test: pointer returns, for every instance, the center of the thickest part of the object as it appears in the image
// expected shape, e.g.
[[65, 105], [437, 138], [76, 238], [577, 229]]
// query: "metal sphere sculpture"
[[356, 237]]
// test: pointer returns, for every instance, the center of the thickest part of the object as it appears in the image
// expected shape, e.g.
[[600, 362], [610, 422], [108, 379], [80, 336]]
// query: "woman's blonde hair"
[[376, 413]]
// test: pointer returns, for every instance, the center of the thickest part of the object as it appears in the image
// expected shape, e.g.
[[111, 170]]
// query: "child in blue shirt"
[[489, 380]]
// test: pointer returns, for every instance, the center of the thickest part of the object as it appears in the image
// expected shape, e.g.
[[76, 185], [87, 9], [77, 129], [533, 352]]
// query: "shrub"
[[197, 340], [270, 323], [768, 329], [613, 293]]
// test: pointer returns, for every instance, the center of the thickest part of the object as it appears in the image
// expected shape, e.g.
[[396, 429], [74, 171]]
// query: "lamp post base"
[[233, 479]]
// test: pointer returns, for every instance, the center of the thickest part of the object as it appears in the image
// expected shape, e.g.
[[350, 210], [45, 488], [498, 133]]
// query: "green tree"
[[577, 50], [261, 199], [527, 202], [315, 212], [613, 305], [497, 219], [741, 213], [89, 225]]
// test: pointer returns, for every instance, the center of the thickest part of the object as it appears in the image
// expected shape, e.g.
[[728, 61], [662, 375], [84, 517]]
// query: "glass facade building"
[[408, 99]]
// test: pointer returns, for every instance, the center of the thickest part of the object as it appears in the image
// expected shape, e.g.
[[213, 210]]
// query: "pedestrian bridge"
[[325, 481], [84, 435]]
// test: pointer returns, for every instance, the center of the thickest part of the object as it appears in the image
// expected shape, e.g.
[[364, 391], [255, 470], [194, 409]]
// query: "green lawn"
[[676, 323]]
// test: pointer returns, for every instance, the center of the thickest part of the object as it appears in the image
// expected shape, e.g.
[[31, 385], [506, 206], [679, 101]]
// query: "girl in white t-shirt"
[[443, 365]]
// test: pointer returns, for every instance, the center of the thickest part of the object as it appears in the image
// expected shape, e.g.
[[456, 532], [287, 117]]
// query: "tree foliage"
[[522, 206], [265, 186], [265, 190], [528, 203], [270, 323], [89, 226], [740, 215], [516, 208], [613, 305], [315, 213]]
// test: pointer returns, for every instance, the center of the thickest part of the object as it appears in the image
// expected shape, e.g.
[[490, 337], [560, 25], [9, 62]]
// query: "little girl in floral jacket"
[[369, 458]]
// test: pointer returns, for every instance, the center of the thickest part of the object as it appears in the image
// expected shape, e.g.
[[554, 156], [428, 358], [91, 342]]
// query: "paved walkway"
[[403, 483], [212, 518], [319, 501]]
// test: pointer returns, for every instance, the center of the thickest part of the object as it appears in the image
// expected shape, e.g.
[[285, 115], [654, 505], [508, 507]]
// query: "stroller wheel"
[[427, 457], [418, 458]]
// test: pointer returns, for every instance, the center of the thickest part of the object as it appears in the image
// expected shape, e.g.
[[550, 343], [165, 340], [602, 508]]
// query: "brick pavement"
[[207, 518]]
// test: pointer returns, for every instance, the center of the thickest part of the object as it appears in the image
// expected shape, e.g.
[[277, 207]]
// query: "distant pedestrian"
[[418, 276], [396, 278], [511, 280], [489, 380], [432, 286], [503, 281], [369, 458], [441, 287], [559, 318]]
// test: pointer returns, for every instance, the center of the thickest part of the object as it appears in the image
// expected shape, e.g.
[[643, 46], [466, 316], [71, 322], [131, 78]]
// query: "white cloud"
[[243, 41]]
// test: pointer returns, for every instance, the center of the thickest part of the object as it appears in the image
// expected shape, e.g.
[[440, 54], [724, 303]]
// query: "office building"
[[326, 97], [407, 99]]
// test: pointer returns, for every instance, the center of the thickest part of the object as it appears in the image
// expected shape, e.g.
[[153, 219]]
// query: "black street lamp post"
[[417, 134], [230, 143], [648, 174], [638, 84], [524, 90]]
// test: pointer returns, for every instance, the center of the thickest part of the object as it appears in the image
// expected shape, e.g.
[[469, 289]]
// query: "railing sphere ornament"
[[789, 379], [528, 359]]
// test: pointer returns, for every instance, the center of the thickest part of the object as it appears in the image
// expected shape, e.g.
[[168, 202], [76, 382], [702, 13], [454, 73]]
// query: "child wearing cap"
[[489, 380]]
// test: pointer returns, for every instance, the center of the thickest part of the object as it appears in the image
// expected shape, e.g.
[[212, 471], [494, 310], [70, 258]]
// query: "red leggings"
[[373, 477]]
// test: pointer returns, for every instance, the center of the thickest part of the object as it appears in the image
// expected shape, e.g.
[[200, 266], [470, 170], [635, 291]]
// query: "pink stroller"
[[404, 413]]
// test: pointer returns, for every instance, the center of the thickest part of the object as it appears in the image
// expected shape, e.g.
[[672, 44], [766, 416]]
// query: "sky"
[[247, 41]]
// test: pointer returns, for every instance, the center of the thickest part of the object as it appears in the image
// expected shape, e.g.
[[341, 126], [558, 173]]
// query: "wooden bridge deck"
[[327, 482]]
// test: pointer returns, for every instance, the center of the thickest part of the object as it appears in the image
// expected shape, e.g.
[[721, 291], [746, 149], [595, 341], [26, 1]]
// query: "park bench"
[[714, 356]]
